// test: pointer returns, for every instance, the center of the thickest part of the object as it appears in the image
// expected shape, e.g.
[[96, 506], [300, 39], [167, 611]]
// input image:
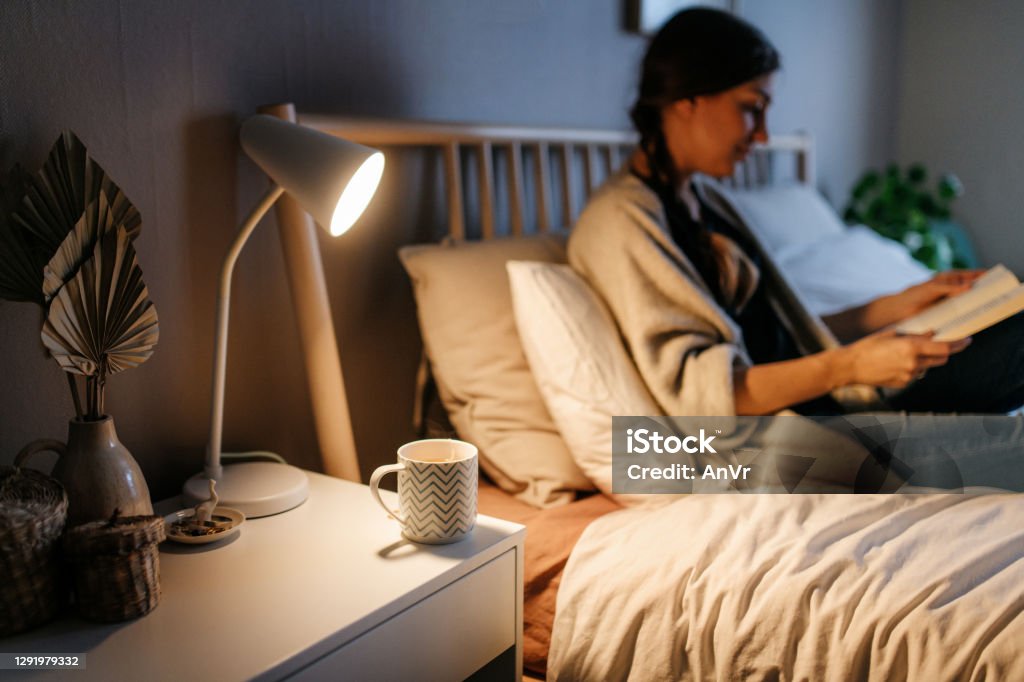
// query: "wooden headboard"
[[540, 177]]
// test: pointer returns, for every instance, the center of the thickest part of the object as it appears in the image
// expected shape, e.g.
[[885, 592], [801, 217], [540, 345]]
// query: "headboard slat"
[[568, 212], [764, 169], [542, 191], [453, 184], [610, 159], [515, 187], [589, 180], [485, 176]]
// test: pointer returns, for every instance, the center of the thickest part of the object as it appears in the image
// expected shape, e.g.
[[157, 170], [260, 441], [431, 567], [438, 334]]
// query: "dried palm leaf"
[[22, 257], [78, 246], [102, 321], [67, 183]]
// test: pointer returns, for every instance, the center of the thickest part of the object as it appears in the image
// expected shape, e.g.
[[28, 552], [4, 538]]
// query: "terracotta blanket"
[[550, 536]]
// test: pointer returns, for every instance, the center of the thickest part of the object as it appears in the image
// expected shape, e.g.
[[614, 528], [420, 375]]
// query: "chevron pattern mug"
[[437, 488]]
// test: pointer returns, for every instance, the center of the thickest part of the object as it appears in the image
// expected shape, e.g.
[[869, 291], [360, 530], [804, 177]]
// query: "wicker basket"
[[115, 566], [33, 509]]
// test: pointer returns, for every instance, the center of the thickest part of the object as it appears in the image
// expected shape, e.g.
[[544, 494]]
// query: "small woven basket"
[[33, 509], [116, 567]]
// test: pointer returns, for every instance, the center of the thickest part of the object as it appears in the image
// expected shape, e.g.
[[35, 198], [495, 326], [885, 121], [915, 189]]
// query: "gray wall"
[[157, 90], [962, 110], [839, 80]]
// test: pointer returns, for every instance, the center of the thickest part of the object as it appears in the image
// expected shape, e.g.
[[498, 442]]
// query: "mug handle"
[[379, 473], [40, 445]]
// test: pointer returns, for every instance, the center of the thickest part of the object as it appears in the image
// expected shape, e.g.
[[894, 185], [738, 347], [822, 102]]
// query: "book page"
[[993, 284], [983, 317]]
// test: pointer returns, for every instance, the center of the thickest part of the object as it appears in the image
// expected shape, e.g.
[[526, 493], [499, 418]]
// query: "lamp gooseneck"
[[213, 468], [329, 178]]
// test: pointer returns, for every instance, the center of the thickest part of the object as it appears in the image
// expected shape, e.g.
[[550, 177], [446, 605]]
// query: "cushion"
[[785, 215], [849, 269], [579, 363], [832, 266], [465, 314]]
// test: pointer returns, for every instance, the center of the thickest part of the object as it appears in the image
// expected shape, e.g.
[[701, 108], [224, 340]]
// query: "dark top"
[[764, 336]]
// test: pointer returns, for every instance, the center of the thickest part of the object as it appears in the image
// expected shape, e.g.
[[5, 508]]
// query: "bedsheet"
[[797, 587]]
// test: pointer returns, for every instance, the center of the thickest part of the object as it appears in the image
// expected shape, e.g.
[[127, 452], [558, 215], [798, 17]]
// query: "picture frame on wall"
[[647, 16]]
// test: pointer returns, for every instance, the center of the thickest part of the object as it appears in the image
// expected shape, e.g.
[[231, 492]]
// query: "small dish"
[[226, 523]]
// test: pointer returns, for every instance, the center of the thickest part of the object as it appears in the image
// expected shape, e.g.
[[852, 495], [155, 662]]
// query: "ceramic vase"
[[98, 472]]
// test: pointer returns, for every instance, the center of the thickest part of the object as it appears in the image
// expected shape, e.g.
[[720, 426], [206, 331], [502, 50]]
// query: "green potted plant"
[[66, 244], [899, 204]]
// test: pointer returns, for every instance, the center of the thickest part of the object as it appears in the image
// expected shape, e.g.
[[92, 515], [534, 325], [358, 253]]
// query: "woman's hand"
[[883, 359], [913, 300], [854, 323], [892, 360]]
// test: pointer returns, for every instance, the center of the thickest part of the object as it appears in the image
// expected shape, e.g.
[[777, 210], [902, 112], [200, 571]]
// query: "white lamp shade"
[[331, 178]]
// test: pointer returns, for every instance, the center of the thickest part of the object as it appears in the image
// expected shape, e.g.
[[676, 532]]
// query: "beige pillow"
[[469, 332]]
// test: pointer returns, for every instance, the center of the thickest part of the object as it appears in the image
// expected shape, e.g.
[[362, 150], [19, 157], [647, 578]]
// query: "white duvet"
[[797, 587]]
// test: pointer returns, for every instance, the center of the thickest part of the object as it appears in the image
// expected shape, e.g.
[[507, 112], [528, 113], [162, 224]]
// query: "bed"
[[696, 587]]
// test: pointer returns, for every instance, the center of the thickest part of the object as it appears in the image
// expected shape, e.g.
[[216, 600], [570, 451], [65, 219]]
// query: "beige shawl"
[[684, 345]]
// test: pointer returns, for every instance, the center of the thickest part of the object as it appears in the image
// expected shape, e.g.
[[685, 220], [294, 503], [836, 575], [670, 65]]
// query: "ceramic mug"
[[437, 488]]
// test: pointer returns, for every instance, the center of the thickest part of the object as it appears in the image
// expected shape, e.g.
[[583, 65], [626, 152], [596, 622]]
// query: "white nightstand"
[[327, 591]]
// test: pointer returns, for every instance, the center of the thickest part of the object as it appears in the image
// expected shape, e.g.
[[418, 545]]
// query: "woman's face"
[[709, 134]]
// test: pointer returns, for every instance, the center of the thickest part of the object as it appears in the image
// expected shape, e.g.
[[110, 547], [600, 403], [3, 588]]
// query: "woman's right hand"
[[892, 360]]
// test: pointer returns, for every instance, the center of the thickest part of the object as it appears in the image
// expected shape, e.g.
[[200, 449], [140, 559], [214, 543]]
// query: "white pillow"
[[579, 363], [786, 215], [832, 266], [849, 269]]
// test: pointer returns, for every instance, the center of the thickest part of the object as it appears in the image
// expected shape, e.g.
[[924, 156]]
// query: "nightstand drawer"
[[446, 636]]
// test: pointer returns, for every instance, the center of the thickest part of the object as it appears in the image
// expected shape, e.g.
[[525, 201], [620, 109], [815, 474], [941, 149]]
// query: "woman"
[[712, 326]]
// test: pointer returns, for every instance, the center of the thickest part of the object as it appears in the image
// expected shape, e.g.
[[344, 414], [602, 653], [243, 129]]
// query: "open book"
[[992, 298]]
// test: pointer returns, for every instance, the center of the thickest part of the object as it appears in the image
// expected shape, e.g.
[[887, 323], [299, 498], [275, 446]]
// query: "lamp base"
[[254, 488]]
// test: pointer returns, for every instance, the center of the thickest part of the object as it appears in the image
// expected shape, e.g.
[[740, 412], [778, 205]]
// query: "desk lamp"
[[333, 180]]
